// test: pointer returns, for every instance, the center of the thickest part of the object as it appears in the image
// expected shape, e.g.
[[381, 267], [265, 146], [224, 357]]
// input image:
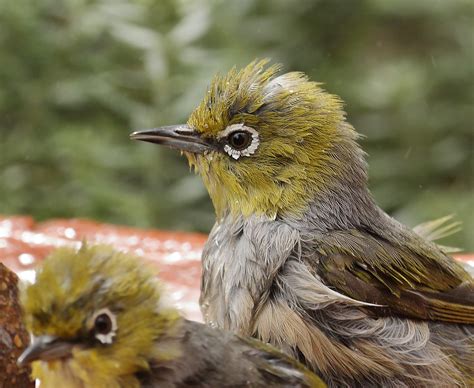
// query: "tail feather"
[[440, 228]]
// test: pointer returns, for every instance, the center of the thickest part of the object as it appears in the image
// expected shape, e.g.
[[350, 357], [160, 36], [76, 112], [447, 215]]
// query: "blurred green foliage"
[[77, 76]]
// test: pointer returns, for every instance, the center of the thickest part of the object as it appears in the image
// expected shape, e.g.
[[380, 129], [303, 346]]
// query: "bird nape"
[[99, 320], [301, 255]]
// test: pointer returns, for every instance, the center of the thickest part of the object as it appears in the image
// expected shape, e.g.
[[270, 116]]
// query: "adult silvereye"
[[301, 255], [99, 320]]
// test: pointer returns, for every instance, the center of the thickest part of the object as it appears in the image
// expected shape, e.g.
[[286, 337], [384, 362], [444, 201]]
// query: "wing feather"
[[403, 282]]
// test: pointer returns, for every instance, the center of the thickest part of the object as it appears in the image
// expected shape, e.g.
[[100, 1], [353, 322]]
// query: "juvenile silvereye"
[[301, 255], [98, 320]]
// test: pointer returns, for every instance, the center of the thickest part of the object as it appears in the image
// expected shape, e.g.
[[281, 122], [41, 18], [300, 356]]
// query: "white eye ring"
[[105, 330], [236, 154]]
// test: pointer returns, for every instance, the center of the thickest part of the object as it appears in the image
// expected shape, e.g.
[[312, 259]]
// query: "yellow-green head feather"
[[298, 126], [71, 288]]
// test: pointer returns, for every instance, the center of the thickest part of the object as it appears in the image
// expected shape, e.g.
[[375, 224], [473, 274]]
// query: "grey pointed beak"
[[180, 137], [45, 348]]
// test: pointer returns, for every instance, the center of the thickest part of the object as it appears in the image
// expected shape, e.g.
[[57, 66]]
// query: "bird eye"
[[104, 326], [239, 140]]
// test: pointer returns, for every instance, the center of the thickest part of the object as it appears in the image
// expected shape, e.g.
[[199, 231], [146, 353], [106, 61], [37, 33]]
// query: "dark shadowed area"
[[77, 76]]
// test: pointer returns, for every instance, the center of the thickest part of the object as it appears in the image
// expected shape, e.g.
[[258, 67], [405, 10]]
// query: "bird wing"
[[276, 366], [210, 357], [402, 281]]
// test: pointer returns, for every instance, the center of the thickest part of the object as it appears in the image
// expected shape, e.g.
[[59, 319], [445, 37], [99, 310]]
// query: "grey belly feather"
[[256, 283]]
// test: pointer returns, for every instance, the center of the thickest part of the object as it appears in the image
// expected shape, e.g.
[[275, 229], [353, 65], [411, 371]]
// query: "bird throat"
[[336, 175], [70, 373]]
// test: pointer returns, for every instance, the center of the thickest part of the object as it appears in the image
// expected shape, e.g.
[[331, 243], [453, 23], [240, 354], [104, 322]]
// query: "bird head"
[[264, 143], [96, 318]]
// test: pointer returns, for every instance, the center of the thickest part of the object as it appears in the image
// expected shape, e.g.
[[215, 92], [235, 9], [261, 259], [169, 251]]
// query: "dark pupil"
[[239, 140], [103, 324]]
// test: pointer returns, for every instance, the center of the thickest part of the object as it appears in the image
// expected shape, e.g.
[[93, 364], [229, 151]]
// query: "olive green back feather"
[[400, 280]]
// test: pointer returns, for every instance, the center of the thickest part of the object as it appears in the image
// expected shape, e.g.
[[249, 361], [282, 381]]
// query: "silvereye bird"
[[301, 255], [98, 320]]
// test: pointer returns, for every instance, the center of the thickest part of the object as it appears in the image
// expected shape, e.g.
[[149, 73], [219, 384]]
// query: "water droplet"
[[69, 233], [26, 259]]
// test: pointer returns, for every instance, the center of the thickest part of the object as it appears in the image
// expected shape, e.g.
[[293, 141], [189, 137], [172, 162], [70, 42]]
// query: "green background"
[[77, 76]]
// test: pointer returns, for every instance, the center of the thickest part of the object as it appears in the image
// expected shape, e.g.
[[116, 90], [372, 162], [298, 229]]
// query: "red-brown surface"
[[23, 243]]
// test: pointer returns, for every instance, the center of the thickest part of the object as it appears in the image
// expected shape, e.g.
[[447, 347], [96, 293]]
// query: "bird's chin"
[[56, 373], [57, 361], [199, 162]]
